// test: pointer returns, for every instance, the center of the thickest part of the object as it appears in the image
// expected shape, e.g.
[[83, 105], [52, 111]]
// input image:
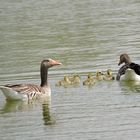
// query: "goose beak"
[[55, 62], [119, 63]]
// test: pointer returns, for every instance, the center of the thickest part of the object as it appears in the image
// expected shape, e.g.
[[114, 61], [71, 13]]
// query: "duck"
[[89, 81], [26, 92], [65, 82], [109, 75], [130, 71]]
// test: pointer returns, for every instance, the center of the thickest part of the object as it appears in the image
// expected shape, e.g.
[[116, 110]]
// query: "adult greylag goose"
[[129, 71], [30, 91]]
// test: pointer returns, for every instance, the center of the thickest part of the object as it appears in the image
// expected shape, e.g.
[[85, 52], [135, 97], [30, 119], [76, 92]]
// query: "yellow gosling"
[[109, 75], [99, 76], [89, 81], [75, 79], [65, 82]]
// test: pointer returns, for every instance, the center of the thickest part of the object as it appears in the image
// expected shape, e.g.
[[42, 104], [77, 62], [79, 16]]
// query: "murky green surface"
[[85, 36]]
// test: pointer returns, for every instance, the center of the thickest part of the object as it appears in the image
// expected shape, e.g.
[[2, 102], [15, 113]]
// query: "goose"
[[109, 75], [69, 81], [31, 91], [129, 71], [75, 79], [99, 76], [89, 81], [65, 82]]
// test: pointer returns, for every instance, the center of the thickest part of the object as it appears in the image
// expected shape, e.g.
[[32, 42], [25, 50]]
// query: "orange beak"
[[55, 62]]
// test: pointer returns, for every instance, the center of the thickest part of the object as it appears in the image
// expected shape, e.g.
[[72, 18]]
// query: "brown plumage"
[[128, 64], [30, 91]]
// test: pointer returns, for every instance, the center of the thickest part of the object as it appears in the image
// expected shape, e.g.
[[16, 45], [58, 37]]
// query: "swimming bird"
[[65, 82], [109, 75], [75, 80], [89, 81], [99, 76], [30, 91], [129, 71]]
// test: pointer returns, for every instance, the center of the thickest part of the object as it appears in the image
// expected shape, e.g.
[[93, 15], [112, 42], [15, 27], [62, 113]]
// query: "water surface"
[[86, 36]]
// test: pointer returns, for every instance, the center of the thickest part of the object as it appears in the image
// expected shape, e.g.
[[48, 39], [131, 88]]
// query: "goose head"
[[124, 58], [45, 65], [48, 63], [66, 79], [109, 72], [89, 75]]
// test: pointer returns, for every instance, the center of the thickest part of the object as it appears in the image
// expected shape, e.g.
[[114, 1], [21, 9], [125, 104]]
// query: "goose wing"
[[21, 91], [122, 71], [135, 67], [25, 88]]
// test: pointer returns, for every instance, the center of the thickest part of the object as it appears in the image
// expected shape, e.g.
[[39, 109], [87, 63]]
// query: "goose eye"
[[47, 60]]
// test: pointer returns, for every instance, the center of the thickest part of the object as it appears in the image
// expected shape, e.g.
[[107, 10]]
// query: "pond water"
[[86, 36]]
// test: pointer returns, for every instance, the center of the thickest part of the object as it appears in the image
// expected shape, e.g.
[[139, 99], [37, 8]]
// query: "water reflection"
[[17, 106], [130, 86], [47, 117], [14, 106]]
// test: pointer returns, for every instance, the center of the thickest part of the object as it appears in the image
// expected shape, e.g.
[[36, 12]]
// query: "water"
[[85, 36]]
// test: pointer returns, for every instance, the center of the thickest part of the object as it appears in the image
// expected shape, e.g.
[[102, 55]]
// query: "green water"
[[86, 36]]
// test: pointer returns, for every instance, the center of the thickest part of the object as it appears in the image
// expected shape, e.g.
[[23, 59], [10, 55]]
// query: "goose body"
[[89, 81], [129, 71], [69, 81], [75, 80], [109, 75], [99, 76], [25, 91], [65, 82], [12, 94], [130, 75], [30, 91]]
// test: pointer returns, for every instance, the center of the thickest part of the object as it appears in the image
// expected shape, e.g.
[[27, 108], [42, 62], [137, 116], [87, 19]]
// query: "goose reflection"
[[20, 106], [130, 86], [47, 117], [15, 106]]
